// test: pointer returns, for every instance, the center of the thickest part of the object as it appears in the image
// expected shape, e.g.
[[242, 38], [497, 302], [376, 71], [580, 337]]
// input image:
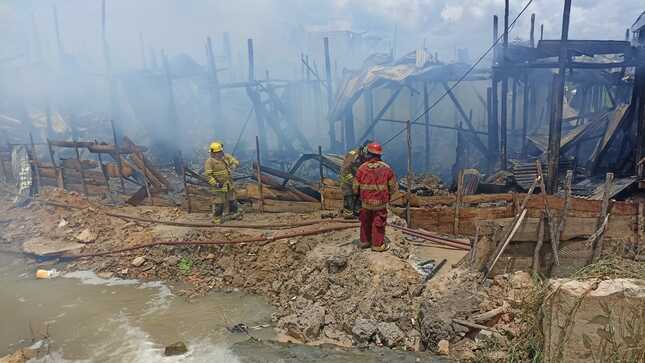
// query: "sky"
[[181, 25]]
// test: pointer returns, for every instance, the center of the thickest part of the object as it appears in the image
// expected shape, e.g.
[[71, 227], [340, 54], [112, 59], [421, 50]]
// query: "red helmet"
[[375, 148]]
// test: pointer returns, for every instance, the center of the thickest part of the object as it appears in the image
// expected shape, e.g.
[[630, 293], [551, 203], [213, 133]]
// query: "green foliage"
[[185, 265]]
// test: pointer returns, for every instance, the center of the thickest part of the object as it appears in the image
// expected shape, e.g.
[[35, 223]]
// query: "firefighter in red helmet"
[[375, 183]]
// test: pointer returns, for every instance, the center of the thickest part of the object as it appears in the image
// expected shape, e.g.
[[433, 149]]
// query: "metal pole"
[[408, 192], [259, 172]]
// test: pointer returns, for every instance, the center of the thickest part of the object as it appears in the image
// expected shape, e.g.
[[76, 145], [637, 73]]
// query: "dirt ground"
[[325, 288]]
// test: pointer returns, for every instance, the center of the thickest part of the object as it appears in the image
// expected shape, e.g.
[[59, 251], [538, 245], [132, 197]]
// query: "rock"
[[105, 275], [443, 347], [20, 356], [336, 264], [178, 348], [210, 256], [337, 336], [137, 262], [413, 341], [87, 236], [63, 222], [171, 260], [364, 329], [307, 325], [418, 290], [594, 313], [390, 334], [124, 271]]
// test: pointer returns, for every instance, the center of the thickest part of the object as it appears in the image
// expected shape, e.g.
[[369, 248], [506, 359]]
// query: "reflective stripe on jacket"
[[376, 183]]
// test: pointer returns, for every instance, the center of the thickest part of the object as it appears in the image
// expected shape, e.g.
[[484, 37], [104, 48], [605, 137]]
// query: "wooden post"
[[641, 227], [408, 193], [549, 216], [532, 36], [330, 96], [492, 131], [598, 245], [538, 247], [147, 184], [638, 100], [513, 106], [322, 177], [60, 178], [35, 163], [189, 203], [555, 124], [258, 170], [78, 155], [105, 174], [80, 167], [118, 156], [503, 145], [251, 58], [493, 122], [108, 63], [350, 138], [458, 201], [525, 113], [426, 117], [541, 31]]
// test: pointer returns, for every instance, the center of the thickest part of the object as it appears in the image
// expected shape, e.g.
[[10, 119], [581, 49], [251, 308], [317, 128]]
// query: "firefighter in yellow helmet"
[[219, 169], [353, 159]]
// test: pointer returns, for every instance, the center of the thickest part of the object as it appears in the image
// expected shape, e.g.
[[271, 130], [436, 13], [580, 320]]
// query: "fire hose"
[[217, 242], [196, 225], [434, 238]]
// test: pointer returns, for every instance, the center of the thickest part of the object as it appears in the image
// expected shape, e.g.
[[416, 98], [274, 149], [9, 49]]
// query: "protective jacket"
[[348, 170], [376, 183], [219, 172]]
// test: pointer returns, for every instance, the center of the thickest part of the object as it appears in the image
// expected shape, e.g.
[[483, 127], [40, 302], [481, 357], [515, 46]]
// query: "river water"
[[89, 319]]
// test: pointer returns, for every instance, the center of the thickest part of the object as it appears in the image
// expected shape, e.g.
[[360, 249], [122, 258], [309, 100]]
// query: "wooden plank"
[[599, 242]]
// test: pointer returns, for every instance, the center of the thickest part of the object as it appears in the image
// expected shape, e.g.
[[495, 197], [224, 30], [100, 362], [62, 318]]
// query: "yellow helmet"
[[216, 147]]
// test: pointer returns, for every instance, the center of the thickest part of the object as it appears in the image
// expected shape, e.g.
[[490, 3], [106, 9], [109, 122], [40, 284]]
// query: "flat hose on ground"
[[217, 242]]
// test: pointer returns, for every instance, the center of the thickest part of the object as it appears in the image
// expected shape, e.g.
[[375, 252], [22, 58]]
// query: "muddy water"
[[89, 319]]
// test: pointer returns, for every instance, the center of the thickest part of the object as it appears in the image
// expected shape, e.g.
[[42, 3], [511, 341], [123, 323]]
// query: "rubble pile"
[[427, 185]]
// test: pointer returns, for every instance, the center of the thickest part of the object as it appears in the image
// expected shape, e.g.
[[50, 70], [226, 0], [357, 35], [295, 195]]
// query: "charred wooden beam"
[[555, 124], [330, 95]]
